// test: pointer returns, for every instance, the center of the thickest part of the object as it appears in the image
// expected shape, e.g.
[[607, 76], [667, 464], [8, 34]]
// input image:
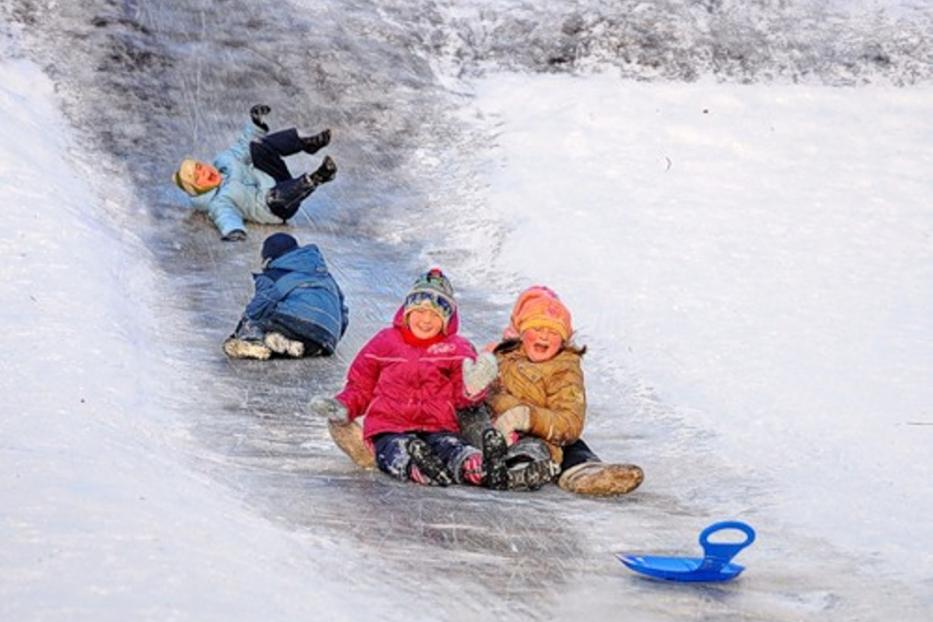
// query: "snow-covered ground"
[[750, 267], [762, 256], [102, 516]]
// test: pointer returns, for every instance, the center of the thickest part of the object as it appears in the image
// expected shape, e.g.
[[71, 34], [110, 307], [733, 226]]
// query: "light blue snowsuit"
[[242, 193]]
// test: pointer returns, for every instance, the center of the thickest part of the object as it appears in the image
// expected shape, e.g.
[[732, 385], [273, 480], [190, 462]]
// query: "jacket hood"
[[306, 258]]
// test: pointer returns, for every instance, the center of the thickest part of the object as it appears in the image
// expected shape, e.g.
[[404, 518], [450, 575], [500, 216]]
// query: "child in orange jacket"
[[538, 403]]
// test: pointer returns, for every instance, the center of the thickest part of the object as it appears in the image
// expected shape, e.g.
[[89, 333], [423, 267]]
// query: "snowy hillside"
[[733, 198]]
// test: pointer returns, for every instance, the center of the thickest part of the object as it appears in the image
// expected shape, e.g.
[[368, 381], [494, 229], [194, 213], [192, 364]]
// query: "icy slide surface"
[[756, 323]]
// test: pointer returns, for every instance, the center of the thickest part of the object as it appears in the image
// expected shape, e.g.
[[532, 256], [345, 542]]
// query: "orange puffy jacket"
[[553, 390]]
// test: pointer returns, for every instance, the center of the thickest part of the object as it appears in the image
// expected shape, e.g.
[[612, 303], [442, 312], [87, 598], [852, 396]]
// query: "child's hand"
[[479, 374], [328, 407], [237, 235], [515, 419]]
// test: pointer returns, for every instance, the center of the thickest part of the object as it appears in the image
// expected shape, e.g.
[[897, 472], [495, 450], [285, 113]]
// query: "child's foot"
[[532, 475], [426, 465], [600, 479], [246, 349], [324, 173], [313, 144], [349, 438], [280, 344], [494, 450]]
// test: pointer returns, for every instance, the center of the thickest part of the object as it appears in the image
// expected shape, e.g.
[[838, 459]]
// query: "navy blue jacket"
[[296, 291]]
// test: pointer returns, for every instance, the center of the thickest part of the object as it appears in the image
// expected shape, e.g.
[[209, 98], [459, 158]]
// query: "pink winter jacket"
[[400, 387]]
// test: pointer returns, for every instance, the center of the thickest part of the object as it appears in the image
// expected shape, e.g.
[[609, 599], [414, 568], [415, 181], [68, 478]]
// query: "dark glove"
[[237, 235], [256, 113]]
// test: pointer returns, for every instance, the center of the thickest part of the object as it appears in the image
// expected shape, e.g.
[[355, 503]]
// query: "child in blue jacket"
[[250, 181], [298, 309]]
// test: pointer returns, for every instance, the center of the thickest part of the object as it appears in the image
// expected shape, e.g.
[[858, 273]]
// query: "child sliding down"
[[539, 400], [408, 381], [250, 181], [538, 405], [298, 308]]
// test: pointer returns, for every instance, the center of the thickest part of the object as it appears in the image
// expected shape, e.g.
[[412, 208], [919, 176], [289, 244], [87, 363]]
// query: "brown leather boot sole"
[[601, 480], [349, 438]]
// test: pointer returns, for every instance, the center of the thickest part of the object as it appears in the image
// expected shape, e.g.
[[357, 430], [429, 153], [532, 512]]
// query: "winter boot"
[[428, 463], [531, 475], [237, 348], [280, 344], [494, 450], [349, 438], [324, 173], [600, 479], [313, 144]]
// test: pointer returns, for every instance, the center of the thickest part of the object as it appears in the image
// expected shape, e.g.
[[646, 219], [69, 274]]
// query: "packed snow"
[[762, 256], [101, 515], [749, 265]]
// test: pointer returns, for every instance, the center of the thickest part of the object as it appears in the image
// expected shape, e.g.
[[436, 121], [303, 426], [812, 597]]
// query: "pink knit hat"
[[539, 307]]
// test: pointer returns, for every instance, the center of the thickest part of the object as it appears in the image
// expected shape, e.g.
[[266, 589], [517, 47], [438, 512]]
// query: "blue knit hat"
[[277, 245]]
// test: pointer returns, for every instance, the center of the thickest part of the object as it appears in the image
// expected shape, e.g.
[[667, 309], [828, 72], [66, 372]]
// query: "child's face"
[[424, 323], [541, 344], [205, 176]]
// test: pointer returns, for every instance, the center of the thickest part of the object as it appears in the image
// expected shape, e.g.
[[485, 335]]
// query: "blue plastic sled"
[[715, 565]]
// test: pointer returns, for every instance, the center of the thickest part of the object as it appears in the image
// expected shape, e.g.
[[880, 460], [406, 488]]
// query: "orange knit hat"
[[539, 307]]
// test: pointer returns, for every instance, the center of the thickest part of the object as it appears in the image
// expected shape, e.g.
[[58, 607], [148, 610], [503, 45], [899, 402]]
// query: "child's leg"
[[286, 196], [464, 461], [529, 464], [426, 466], [473, 422], [392, 455], [477, 430], [407, 457], [267, 153], [577, 453], [293, 336]]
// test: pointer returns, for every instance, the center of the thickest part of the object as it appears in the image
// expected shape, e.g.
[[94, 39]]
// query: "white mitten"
[[515, 419], [479, 374], [328, 407]]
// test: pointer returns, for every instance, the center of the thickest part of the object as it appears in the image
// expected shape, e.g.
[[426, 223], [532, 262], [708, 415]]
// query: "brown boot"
[[349, 438], [600, 479]]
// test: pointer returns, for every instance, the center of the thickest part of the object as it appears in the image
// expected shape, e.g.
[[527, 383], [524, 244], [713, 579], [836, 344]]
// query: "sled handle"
[[718, 554]]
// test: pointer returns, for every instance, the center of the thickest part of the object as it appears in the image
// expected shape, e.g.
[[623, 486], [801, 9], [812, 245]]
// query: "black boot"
[[325, 172], [532, 475], [494, 450], [313, 144], [429, 463]]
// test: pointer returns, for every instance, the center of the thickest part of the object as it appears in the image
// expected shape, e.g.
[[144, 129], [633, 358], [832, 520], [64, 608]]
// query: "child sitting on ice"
[[249, 181], [298, 308], [539, 402], [408, 381]]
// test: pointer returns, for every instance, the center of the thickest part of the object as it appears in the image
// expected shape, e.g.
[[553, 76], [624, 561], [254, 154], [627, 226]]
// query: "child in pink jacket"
[[408, 381]]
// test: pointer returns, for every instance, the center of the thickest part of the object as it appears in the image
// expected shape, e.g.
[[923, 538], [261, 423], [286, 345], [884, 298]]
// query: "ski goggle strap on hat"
[[432, 300]]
